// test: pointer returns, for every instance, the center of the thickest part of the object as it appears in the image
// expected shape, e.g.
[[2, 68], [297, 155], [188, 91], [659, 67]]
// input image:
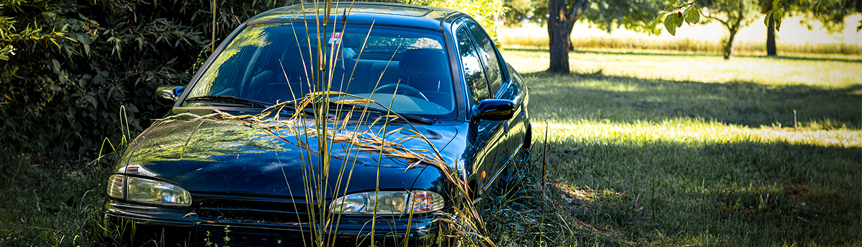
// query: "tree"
[[560, 23], [561, 15], [732, 14], [771, 50], [830, 13]]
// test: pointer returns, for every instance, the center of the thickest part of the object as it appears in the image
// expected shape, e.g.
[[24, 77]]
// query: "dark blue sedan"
[[341, 124]]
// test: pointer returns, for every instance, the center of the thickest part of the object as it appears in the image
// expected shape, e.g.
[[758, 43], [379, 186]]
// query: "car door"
[[486, 135], [509, 133], [483, 81]]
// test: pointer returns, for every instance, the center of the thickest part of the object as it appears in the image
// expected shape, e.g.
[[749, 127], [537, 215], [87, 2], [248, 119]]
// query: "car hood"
[[239, 157]]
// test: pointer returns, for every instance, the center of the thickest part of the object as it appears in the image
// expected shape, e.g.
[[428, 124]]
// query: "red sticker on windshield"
[[335, 39]]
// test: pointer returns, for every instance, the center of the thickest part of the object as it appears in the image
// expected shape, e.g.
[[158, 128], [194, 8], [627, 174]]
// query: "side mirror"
[[494, 110], [169, 92]]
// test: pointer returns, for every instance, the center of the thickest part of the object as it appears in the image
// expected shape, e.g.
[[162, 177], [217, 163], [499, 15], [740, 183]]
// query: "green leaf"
[[55, 66], [670, 5], [669, 24], [778, 25], [132, 108], [692, 15], [92, 100], [678, 19], [777, 16], [653, 24]]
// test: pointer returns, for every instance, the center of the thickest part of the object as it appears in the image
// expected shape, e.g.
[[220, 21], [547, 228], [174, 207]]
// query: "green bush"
[[69, 68]]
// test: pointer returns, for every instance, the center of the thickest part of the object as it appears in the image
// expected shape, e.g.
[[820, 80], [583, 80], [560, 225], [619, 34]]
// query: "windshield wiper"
[[413, 118], [230, 99], [402, 116]]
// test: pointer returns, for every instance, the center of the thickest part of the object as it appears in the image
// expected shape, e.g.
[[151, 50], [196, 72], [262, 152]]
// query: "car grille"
[[244, 211], [223, 235]]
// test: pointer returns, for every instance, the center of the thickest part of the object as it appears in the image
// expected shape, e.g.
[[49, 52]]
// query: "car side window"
[[473, 71], [488, 57]]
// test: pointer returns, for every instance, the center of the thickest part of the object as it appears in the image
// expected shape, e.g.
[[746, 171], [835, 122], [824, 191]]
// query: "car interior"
[[281, 71]]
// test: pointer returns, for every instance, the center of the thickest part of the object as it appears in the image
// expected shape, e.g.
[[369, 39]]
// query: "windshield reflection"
[[279, 62]]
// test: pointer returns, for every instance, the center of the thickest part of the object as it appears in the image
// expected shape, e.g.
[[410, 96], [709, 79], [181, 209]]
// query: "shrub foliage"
[[74, 72]]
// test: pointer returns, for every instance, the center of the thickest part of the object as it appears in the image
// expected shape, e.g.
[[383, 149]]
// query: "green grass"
[[691, 150], [49, 204], [646, 155]]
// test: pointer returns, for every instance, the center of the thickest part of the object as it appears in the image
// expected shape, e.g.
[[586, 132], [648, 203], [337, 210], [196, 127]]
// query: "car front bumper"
[[137, 224]]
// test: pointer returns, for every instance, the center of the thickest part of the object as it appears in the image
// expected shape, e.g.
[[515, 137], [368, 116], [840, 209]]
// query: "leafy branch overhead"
[[674, 15], [735, 14], [830, 13]]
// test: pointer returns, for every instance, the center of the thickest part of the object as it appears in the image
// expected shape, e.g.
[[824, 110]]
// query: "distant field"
[[684, 150], [793, 38], [835, 71]]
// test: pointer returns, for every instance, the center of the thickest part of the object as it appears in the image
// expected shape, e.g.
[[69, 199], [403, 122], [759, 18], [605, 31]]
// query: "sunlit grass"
[[672, 152], [694, 131]]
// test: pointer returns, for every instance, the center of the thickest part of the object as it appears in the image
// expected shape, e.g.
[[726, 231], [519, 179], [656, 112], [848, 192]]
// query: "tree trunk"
[[733, 28], [557, 39], [728, 48], [560, 22], [770, 29], [770, 38]]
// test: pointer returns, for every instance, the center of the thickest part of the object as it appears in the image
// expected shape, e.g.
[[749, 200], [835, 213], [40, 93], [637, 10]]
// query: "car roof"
[[396, 14]]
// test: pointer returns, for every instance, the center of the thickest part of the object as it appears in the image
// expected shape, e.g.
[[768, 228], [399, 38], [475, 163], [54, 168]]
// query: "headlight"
[[147, 191], [388, 202], [115, 186]]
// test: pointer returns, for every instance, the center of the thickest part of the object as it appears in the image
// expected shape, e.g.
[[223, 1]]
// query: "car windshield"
[[276, 62]]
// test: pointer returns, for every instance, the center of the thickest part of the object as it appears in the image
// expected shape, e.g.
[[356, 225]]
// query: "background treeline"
[[68, 68], [514, 39]]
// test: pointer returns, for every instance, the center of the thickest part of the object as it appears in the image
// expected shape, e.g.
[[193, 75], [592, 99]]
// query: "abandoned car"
[[294, 132]]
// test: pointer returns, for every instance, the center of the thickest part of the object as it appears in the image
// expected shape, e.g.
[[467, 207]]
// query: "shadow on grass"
[[700, 54], [727, 194], [738, 192], [629, 100]]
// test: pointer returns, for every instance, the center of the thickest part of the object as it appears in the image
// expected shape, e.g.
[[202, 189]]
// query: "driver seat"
[[427, 70]]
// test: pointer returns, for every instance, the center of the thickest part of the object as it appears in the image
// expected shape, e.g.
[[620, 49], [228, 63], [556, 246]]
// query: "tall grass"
[[50, 203]]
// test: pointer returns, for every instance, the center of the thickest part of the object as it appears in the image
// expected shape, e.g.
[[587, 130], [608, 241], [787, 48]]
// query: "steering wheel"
[[406, 90]]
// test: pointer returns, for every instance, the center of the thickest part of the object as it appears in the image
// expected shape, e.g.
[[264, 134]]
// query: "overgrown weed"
[[59, 206]]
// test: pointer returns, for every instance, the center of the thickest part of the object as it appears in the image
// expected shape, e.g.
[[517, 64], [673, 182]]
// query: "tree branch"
[[724, 23], [577, 10]]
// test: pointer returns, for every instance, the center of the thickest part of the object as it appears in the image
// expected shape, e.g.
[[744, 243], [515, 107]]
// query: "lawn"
[[642, 148], [671, 149]]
